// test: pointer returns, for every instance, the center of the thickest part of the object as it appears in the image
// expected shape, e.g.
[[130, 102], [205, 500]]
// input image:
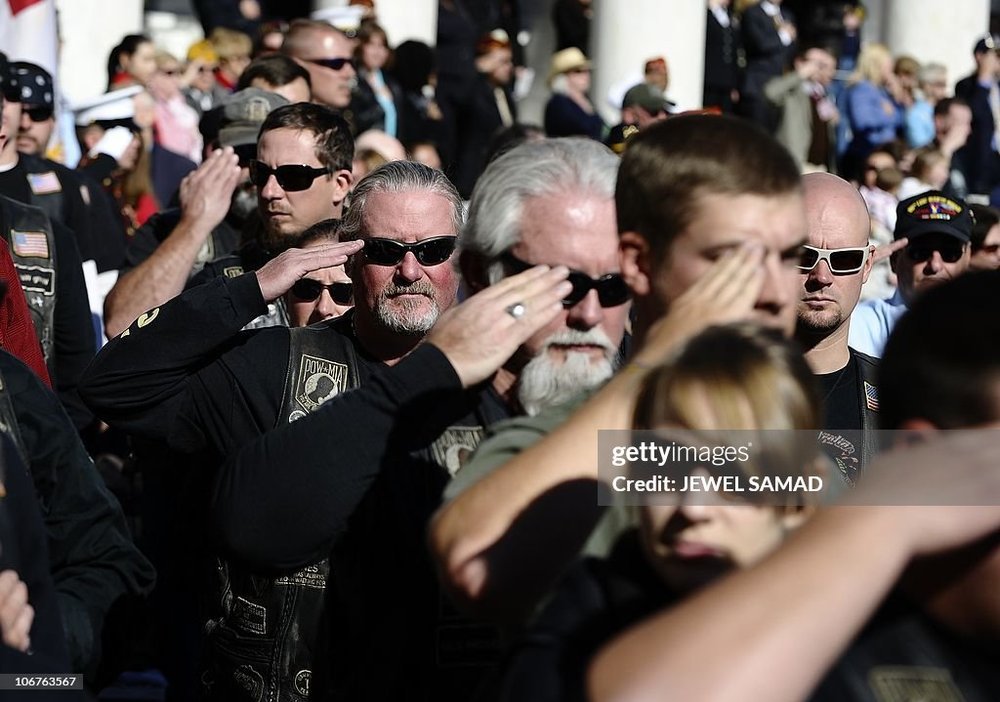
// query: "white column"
[[412, 19], [90, 29], [934, 30], [401, 19], [623, 36]]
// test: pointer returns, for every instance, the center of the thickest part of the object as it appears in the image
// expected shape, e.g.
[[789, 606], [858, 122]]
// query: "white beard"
[[544, 384]]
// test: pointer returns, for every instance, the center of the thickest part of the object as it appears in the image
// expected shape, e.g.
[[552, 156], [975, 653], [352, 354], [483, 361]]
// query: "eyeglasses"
[[950, 251], [612, 290], [307, 290], [39, 114], [429, 252], [290, 177], [335, 64], [840, 261]]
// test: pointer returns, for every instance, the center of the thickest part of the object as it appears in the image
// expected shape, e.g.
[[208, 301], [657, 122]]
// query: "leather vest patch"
[[906, 683], [452, 449], [44, 183], [28, 231], [319, 380]]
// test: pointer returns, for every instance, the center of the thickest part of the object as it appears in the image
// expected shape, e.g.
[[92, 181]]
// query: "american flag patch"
[[871, 396], [30, 244], [44, 183]]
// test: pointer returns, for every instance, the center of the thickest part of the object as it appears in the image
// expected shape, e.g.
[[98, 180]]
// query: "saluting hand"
[[480, 334], [279, 274]]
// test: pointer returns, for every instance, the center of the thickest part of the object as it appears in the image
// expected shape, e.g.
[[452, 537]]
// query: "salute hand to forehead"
[[480, 334], [277, 276], [726, 293]]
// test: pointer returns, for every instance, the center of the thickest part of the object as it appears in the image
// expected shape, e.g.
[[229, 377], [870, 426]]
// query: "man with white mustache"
[[549, 202], [553, 203]]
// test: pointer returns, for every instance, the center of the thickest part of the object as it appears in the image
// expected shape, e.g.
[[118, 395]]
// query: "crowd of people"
[[306, 361]]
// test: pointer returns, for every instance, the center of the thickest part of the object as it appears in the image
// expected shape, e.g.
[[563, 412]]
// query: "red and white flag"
[[28, 32]]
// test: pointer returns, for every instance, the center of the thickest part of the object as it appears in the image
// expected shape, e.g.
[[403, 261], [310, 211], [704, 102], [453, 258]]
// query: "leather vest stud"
[[28, 231]]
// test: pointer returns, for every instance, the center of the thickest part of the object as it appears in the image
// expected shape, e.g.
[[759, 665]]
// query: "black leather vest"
[[868, 397], [264, 644], [28, 231], [44, 184]]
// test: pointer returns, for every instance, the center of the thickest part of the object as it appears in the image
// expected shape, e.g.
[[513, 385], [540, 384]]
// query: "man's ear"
[[342, 185], [473, 270], [635, 260], [869, 264]]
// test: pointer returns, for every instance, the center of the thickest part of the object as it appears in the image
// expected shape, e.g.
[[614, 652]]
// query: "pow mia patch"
[[319, 380], [37, 279], [452, 449]]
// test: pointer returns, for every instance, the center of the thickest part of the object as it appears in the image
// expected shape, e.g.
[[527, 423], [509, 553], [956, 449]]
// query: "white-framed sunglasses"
[[840, 261]]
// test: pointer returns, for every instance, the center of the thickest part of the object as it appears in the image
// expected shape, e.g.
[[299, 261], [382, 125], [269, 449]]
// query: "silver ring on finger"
[[516, 310]]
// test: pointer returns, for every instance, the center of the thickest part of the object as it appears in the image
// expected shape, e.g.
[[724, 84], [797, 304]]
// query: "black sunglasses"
[[307, 289], [612, 290], [290, 177], [335, 64], [429, 252], [950, 251], [841, 261], [39, 114]]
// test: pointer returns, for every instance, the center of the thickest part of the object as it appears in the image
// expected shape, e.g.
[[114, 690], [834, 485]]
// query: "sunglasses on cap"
[[39, 113], [612, 290], [429, 252], [950, 251], [840, 261], [307, 290], [335, 64], [290, 177]]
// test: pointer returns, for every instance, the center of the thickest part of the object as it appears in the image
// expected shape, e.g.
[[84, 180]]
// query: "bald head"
[[835, 208], [325, 52], [837, 219]]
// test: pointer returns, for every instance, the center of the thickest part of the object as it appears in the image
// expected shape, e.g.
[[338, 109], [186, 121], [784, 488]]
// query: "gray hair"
[[932, 71], [533, 169], [398, 177]]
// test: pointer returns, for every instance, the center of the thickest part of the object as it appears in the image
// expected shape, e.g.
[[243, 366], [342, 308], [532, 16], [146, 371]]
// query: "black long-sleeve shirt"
[[92, 557], [74, 342], [355, 479], [187, 375]]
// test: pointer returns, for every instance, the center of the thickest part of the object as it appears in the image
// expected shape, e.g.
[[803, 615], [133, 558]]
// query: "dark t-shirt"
[[841, 435], [903, 656], [595, 601]]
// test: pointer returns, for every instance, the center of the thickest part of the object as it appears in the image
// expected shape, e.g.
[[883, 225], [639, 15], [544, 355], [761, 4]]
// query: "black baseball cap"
[[933, 212]]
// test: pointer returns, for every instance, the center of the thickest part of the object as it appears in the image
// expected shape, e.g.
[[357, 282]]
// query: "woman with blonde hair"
[[873, 113], [742, 380]]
